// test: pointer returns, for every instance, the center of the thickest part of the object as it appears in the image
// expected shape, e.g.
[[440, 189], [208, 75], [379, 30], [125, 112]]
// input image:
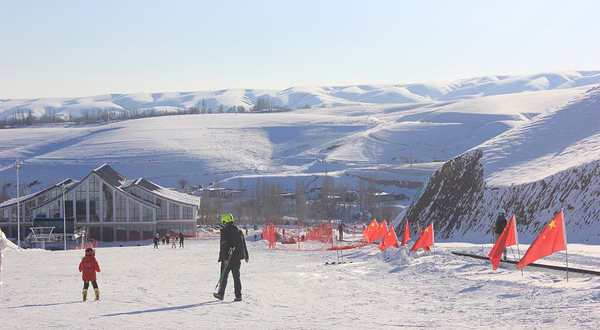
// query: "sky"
[[79, 48]]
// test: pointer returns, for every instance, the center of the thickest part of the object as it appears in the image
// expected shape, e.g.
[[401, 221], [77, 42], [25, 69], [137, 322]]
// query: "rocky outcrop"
[[463, 208]]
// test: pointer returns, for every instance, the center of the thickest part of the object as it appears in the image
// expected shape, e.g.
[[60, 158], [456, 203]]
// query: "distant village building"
[[111, 207]]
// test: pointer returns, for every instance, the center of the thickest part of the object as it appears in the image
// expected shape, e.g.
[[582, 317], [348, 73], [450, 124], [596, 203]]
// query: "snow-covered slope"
[[301, 96], [378, 141], [142, 288], [551, 163]]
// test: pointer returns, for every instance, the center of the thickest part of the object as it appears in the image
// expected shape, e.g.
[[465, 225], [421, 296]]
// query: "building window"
[[147, 232], [121, 207], [134, 211], [28, 213], [161, 213], [121, 233], [55, 209], [42, 199], [94, 199], [42, 212], [147, 214], [188, 213], [107, 205], [80, 202], [173, 211], [134, 233], [4, 216]]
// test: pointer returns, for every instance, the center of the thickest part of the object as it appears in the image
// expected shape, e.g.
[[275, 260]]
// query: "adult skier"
[[88, 267], [232, 250], [498, 228], [156, 238], [181, 237]]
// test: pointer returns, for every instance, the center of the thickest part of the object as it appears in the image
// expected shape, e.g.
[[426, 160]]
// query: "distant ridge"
[[302, 96]]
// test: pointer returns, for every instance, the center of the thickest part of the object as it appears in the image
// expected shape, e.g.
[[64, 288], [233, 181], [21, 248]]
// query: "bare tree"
[[182, 184]]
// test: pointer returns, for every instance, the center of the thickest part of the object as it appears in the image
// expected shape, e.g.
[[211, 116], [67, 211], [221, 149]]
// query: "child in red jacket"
[[89, 266]]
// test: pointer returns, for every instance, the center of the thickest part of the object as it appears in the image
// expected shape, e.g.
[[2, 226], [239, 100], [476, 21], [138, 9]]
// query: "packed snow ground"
[[143, 288]]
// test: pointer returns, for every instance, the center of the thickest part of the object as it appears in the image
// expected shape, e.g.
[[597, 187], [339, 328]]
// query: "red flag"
[[426, 249], [372, 226], [424, 240], [507, 238], [390, 239], [380, 232], [551, 239], [406, 235]]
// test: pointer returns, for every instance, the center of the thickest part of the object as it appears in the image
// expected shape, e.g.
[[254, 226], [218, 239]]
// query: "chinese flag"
[[406, 235], [390, 239], [426, 249], [507, 238], [551, 239], [380, 232], [425, 240], [369, 230]]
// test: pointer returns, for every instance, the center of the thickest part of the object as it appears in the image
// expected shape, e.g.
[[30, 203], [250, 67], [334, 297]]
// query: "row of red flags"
[[552, 238], [388, 237]]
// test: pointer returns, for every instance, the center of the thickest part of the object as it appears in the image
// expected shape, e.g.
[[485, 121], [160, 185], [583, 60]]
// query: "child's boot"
[[84, 294], [97, 292]]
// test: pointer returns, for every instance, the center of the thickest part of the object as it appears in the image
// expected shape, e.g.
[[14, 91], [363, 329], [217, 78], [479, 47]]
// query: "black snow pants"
[[234, 267]]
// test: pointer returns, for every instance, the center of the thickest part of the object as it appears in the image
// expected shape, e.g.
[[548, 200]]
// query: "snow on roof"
[[164, 192], [68, 182]]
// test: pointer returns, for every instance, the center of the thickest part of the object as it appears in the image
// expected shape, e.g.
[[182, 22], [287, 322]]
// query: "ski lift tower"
[[42, 235]]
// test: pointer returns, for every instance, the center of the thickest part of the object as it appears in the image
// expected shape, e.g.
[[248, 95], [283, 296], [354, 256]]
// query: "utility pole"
[[18, 164], [64, 188]]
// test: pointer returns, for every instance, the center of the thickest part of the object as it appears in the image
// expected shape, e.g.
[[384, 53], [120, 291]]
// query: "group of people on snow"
[[167, 239], [232, 251]]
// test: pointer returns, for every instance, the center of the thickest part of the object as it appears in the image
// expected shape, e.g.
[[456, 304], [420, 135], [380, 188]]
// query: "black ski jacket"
[[500, 224], [231, 236]]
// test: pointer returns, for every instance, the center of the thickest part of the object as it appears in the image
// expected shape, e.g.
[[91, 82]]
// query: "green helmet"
[[226, 218]]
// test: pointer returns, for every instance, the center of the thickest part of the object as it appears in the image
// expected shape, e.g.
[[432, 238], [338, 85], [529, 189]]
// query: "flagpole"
[[518, 250], [566, 251]]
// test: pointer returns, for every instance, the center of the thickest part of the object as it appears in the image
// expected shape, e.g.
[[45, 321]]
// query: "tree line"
[[24, 118], [266, 201]]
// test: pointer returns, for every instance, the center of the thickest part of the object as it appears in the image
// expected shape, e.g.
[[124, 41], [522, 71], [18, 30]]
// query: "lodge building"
[[109, 206]]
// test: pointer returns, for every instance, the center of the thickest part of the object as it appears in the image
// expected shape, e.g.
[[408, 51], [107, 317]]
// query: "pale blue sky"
[[79, 48]]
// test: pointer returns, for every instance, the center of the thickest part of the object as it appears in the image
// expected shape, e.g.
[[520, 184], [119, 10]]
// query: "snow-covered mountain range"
[[302, 96], [514, 133]]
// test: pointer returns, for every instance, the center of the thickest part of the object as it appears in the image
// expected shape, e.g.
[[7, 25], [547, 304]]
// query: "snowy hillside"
[[533, 171], [298, 97], [392, 144]]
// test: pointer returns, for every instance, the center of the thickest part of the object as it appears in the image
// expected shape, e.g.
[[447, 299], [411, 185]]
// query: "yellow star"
[[544, 237], [552, 224], [426, 229]]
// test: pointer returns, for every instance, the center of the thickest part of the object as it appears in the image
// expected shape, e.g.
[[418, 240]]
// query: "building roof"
[[162, 191], [109, 175], [13, 201]]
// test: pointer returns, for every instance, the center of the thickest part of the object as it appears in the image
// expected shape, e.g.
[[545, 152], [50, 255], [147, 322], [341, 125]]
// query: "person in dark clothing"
[[156, 239], [499, 226], [180, 239], [232, 251]]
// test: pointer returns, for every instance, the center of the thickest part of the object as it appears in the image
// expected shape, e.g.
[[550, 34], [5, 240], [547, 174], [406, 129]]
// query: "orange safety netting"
[[93, 244], [270, 234], [322, 233]]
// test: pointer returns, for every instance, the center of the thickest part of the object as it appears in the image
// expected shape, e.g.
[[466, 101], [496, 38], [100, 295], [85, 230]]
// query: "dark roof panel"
[[109, 175]]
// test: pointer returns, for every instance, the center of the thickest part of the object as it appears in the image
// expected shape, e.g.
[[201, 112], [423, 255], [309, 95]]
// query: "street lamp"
[[64, 188], [18, 164]]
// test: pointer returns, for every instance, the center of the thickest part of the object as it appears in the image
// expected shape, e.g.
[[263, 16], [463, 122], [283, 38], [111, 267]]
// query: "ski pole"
[[225, 268]]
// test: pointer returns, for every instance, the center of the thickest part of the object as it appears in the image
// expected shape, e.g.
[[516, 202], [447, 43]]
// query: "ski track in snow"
[[171, 288]]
